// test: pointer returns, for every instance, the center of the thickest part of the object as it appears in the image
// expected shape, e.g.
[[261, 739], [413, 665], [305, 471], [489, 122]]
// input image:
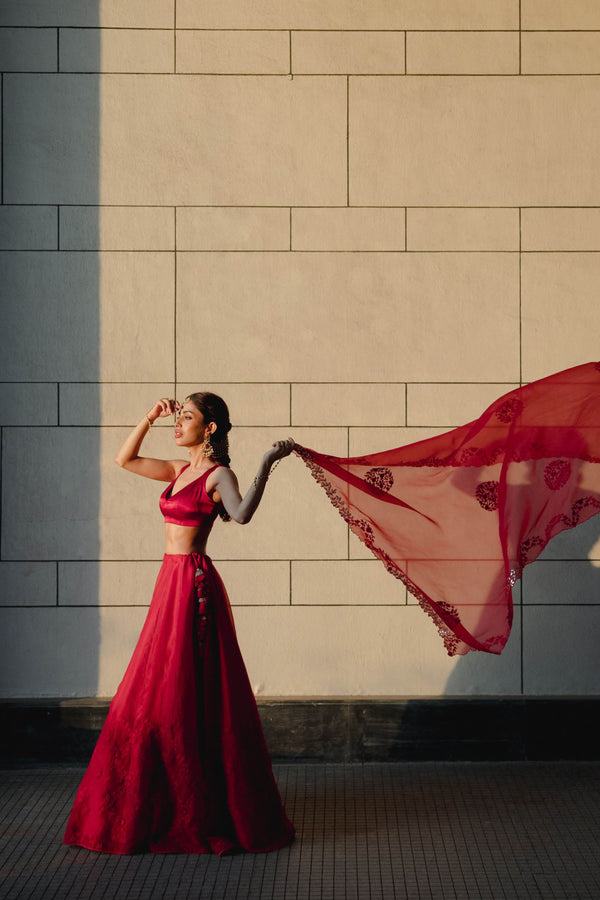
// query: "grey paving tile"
[[460, 831]]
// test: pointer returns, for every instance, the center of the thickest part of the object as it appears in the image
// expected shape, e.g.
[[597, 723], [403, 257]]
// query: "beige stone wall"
[[360, 223]]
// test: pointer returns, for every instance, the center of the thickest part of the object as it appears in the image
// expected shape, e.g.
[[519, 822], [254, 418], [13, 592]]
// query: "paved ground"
[[402, 830]]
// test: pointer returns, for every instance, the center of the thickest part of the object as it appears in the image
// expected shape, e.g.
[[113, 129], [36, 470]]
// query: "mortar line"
[[520, 304], [2, 138], [348, 548], [412, 602], [1, 485], [314, 30], [369, 252], [347, 140], [398, 384], [203, 74], [520, 40], [521, 638], [175, 383], [429, 206]]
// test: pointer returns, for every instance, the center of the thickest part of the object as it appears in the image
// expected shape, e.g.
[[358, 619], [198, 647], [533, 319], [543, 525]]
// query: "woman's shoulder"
[[221, 473]]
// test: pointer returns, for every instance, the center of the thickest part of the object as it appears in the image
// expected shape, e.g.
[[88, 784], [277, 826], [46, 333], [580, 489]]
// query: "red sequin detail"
[[486, 494], [557, 473], [509, 410], [380, 477]]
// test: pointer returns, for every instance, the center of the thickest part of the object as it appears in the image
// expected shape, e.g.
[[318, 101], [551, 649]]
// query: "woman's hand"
[[162, 408], [278, 451]]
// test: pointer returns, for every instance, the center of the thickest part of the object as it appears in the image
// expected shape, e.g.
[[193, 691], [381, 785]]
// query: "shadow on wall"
[[553, 647], [49, 352]]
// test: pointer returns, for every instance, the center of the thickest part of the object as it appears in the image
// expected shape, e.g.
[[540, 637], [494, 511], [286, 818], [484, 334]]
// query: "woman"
[[181, 765]]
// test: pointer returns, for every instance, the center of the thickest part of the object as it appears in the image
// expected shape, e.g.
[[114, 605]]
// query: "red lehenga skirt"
[[181, 765]]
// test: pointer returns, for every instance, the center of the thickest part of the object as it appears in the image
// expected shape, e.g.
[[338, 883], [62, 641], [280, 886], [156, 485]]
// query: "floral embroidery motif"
[[486, 495], [365, 532], [561, 519], [526, 546], [576, 511], [361, 528], [489, 456], [449, 638], [557, 473], [509, 410], [497, 641], [450, 612], [475, 456], [445, 616], [380, 477]]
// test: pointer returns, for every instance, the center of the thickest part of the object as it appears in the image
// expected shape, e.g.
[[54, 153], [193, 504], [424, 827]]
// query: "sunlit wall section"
[[358, 222]]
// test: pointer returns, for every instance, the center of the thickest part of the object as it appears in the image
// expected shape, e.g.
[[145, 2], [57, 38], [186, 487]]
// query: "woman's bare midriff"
[[185, 538]]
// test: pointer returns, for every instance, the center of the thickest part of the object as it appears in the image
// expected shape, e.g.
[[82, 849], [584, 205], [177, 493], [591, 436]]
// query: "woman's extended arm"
[[241, 509], [128, 458]]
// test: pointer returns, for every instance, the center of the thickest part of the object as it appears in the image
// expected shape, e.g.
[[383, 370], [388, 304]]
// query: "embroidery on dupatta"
[[549, 429], [486, 494], [557, 473], [364, 531]]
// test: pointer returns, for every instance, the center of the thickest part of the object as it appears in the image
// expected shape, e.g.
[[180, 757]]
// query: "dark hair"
[[214, 409]]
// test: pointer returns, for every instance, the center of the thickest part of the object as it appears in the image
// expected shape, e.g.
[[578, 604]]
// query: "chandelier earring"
[[207, 447]]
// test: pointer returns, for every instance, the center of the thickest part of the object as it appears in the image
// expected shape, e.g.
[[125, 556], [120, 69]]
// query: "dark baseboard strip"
[[343, 730]]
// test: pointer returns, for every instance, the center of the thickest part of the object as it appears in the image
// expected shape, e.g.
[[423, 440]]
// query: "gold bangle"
[[265, 477], [258, 478], [148, 420]]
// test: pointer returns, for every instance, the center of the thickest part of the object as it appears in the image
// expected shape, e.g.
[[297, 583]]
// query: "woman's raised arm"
[[128, 456], [241, 509]]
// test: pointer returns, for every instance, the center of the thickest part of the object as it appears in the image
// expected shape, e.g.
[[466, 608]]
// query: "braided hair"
[[214, 409]]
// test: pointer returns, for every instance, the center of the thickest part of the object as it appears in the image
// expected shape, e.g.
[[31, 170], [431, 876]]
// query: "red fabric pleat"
[[181, 765], [457, 517]]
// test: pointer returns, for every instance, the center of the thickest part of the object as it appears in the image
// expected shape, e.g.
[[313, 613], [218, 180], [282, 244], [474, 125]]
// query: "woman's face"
[[190, 429]]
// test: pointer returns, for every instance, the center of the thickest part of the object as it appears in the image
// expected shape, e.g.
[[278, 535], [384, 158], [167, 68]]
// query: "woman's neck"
[[199, 461]]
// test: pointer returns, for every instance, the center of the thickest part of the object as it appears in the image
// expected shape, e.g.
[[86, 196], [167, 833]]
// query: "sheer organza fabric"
[[457, 517]]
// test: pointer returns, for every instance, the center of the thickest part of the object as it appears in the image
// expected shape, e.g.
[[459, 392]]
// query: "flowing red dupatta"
[[457, 517]]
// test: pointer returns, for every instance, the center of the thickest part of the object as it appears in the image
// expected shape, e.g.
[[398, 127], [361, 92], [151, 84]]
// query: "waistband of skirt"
[[183, 556]]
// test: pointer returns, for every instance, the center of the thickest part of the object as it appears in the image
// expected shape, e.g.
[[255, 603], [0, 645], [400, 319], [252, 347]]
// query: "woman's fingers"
[[163, 407], [284, 447], [168, 406]]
